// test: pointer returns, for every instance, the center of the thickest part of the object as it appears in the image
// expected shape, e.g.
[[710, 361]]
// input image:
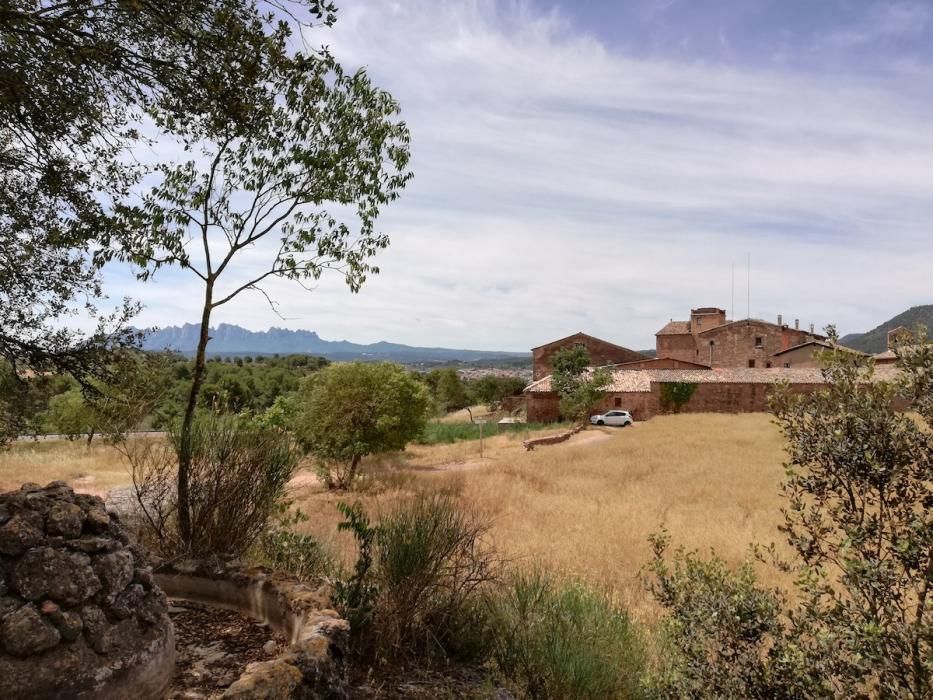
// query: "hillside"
[[229, 339], [876, 340]]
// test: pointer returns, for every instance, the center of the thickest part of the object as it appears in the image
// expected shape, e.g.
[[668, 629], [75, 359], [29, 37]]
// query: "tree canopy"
[[349, 411]]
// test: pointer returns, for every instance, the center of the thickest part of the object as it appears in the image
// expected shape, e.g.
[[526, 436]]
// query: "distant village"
[[733, 365]]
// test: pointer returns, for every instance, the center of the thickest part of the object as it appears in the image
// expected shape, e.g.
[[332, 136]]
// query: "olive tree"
[[350, 411]]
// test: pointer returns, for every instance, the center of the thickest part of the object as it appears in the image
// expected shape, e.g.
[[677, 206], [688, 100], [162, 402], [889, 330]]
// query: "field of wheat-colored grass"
[[95, 469], [584, 508], [587, 507]]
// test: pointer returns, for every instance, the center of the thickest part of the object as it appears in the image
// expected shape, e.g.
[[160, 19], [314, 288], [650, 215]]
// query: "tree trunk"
[[184, 448], [90, 436]]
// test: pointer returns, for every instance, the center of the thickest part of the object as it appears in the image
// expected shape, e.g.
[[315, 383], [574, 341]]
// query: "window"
[[759, 341], [618, 401], [751, 363], [768, 363], [787, 365]]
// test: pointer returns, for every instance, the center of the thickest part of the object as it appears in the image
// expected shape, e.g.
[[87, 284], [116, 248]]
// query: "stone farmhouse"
[[732, 365], [602, 352], [709, 338]]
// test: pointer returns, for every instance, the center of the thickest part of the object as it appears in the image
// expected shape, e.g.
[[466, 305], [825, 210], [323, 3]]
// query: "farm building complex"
[[731, 366]]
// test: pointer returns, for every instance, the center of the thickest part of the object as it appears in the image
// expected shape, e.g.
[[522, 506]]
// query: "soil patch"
[[213, 647], [422, 684]]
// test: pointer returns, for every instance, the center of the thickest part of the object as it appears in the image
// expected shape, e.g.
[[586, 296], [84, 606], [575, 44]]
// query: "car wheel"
[[600, 422], [625, 425]]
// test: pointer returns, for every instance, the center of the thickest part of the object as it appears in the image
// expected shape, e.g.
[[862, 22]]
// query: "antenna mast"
[[732, 307], [748, 277]]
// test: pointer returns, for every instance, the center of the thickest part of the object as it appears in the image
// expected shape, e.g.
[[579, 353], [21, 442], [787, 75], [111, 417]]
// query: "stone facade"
[[601, 353], [643, 405], [709, 339], [80, 614]]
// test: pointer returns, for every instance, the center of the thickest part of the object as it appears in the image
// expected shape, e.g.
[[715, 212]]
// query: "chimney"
[[796, 324], [811, 329], [780, 320]]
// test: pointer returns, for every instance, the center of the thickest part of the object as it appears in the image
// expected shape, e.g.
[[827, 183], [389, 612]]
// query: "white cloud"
[[563, 186]]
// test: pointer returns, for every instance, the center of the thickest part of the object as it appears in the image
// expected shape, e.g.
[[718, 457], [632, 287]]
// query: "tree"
[[579, 387], [77, 77], [448, 389], [492, 390], [859, 521], [350, 411], [859, 516], [316, 135]]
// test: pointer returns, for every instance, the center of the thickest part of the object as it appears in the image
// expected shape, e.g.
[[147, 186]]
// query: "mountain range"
[[876, 340], [229, 339]]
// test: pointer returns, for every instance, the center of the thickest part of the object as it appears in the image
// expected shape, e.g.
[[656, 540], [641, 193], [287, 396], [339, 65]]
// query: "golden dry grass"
[[587, 507], [95, 469]]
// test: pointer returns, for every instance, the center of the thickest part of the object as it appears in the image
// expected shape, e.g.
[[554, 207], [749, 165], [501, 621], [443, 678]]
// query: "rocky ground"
[[213, 647]]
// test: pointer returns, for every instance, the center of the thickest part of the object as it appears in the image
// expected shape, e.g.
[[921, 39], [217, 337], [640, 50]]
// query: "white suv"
[[620, 418]]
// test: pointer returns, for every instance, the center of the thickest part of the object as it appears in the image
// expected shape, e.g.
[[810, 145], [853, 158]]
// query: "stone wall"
[[311, 666], [601, 353], [80, 614], [707, 398]]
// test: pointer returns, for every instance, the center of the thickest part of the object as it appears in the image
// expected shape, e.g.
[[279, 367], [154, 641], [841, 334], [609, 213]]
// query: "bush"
[[419, 581], [238, 475], [354, 410], [724, 635], [563, 640], [283, 549]]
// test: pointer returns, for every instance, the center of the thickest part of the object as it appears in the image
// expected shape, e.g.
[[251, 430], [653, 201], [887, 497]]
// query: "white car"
[[620, 418]]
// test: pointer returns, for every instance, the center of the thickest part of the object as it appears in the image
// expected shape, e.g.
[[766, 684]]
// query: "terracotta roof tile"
[[633, 380], [675, 328]]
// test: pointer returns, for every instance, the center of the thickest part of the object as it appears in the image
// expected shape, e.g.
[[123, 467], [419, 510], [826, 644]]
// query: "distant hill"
[[228, 339], [876, 340]]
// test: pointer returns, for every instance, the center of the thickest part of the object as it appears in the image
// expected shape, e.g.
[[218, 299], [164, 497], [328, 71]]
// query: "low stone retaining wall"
[[551, 439], [311, 667]]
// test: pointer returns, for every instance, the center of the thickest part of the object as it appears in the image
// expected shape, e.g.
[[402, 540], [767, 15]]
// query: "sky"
[[605, 166]]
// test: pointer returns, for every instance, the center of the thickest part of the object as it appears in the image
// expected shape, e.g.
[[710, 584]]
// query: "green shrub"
[[294, 553], [239, 470], [675, 395], [420, 594], [563, 640]]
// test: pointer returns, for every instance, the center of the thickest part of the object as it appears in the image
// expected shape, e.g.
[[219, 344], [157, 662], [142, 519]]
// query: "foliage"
[[859, 520], [239, 471], [563, 640], [311, 136], [423, 583], [77, 78], [579, 387], [283, 549], [356, 595], [353, 410], [447, 389], [674, 395], [859, 517], [724, 635], [492, 390]]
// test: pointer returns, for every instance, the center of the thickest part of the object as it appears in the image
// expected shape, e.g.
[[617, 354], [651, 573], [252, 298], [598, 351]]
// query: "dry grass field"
[[95, 469], [584, 507], [587, 507]]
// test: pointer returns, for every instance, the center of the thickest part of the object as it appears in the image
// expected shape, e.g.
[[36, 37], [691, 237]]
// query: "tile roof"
[[822, 344], [675, 328], [633, 380]]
